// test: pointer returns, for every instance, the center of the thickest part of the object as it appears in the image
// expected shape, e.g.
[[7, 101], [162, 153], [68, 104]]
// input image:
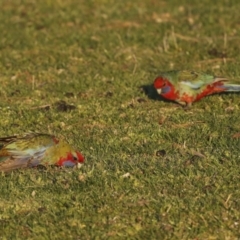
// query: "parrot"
[[33, 149], [186, 86]]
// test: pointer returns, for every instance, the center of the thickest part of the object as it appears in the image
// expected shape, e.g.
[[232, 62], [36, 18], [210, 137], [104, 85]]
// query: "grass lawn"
[[84, 70]]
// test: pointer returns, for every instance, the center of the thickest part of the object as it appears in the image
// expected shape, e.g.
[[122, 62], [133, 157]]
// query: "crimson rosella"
[[34, 149], [186, 87]]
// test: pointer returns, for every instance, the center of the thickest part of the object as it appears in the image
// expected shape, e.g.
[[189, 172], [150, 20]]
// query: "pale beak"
[[79, 165], [159, 90]]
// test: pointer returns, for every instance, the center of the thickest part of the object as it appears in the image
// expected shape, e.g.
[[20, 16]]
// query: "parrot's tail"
[[232, 87]]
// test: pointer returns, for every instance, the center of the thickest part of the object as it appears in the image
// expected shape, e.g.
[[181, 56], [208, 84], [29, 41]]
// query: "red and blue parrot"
[[186, 87], [33, 149]]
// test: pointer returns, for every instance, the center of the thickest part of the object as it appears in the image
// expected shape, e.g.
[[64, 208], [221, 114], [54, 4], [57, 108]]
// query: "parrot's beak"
[[159, 90], [79, 165]]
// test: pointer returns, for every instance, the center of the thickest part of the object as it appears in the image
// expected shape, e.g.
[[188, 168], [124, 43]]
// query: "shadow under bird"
[[186, 87], [33, 149]]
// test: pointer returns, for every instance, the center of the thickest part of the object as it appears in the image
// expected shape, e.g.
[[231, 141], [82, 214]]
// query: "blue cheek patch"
[[166, 89], [68, 164]]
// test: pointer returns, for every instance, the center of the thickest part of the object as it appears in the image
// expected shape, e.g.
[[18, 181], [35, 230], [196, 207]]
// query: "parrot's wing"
[[196, 80], [22, 152], [191, 85], [18, 159]]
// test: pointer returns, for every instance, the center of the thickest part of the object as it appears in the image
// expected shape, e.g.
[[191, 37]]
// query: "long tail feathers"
[[10, 163], [232, 87]]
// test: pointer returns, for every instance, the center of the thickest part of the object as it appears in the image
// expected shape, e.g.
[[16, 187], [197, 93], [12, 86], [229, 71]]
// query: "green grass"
[[96, 56]]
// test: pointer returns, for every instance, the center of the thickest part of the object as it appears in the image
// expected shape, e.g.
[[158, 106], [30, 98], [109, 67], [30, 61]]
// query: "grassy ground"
[[83, 70]]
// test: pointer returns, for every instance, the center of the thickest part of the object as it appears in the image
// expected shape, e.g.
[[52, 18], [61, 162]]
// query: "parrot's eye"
[[75, 158]]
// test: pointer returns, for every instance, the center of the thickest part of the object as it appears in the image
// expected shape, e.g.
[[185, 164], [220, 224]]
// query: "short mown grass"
[[83, 70]]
